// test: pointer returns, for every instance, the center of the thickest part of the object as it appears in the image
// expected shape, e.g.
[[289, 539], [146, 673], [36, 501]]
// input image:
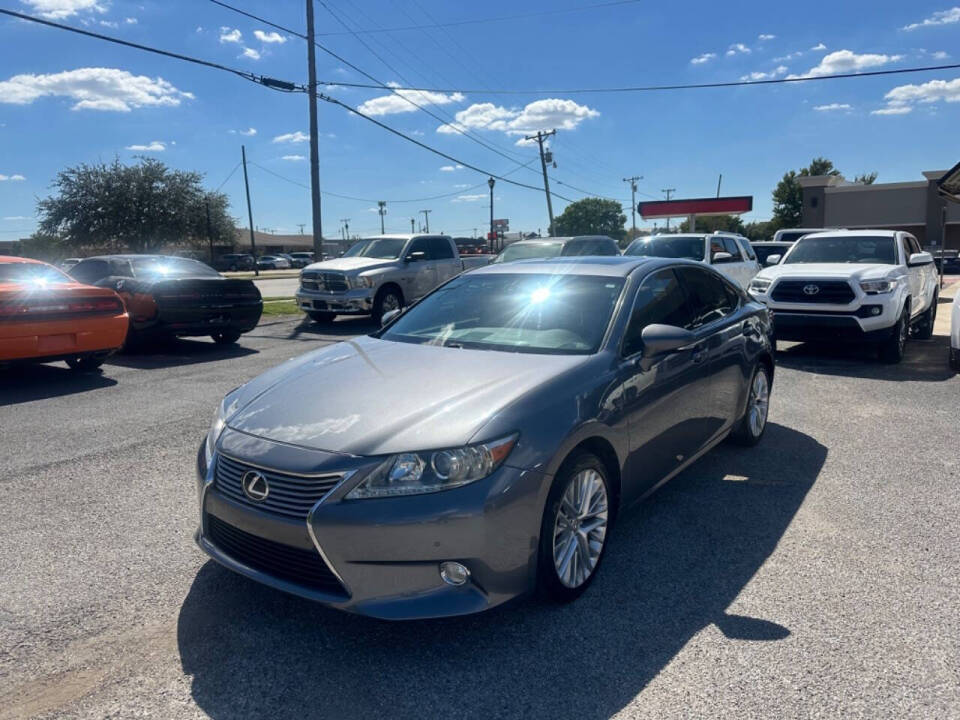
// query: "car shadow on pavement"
[[175, 352], [25, 383], [674, 566], [923, 360], [341, 327]]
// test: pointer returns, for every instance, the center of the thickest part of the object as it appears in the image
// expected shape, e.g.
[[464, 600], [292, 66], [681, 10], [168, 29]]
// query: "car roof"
[[552, 240], [853, 233], [771, 242], [601, 265], [136, 256], [18, 259], [403, 236]]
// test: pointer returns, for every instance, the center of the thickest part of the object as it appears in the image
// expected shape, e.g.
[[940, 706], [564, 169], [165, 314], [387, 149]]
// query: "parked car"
[[484, 441], [301, 259], [68, 263], [272, 262], [764, 249], [169, 296], [380, 274], [955, 333], [731, 254], [949, 259], [791, 235], [852, 285], [47, 316], [234, 262], [549, 247]]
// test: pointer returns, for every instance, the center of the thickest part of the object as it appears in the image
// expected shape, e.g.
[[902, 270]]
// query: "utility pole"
[[210, 234], [412, 222], [246, 184], [668, 192], [346, 228], [314, 141], [719, 180], [382, 210], [493, 238], [633, 200], [426, 220], [301, 226], [540, 137]]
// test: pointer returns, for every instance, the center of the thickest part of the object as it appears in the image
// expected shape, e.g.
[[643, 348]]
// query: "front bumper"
[[383, 553], [804, 327], [351, 302]]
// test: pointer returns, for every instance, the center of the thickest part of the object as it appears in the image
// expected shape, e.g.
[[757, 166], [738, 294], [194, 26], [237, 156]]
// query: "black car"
[[947, 261], [171, 296], [234, 262], [765, 249]]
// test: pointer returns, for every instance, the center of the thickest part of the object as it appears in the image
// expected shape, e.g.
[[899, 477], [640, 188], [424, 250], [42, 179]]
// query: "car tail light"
[[40, 307]]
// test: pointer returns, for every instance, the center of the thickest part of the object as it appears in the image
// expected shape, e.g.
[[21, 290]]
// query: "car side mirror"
[[661, 339], [389, 315], [721, 257], [920, 258], [773, 259]]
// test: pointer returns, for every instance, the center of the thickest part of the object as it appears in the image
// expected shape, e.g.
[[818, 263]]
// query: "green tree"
[[788, 195], [760, 230], [132, 208], [724, 223], [866, 178], [591, 216]]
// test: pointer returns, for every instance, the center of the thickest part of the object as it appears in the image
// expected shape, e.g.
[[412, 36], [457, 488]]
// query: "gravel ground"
[[816, 575]]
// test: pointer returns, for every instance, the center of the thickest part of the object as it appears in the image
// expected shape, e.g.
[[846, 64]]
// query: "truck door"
[[445, 259]]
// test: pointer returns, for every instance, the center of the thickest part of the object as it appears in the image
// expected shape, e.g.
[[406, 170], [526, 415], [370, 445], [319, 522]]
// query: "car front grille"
[[834, 292], [289, 495], [302, 567], [324, 282]]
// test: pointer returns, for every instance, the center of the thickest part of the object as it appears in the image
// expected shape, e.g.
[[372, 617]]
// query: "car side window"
[[660, 300], [440, 249], [911, 245], [710, 298], [731, 246], [121, 268], [606, 247], [420, 248], [747, 249], [576, 247], [90, 271]]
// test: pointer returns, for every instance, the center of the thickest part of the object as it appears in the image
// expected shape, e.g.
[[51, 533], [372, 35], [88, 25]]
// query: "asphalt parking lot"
[[816, 575]]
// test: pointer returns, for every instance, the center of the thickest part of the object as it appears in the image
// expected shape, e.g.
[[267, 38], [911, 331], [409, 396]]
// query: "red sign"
[[695, 206]]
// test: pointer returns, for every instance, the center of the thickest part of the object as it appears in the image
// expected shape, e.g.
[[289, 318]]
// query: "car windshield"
[[665, 246], [165, 267], [21, 272], [535, 313], [383, 248], [865, 249], [529, 251], [792, 235]]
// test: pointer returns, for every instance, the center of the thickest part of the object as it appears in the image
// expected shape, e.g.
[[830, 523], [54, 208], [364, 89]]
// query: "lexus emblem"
[[811, 289], [255, 486]]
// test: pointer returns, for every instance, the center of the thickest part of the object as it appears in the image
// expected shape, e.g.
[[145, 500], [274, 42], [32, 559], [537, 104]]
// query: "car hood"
[[373, 397], [853, 271], [345, 264]]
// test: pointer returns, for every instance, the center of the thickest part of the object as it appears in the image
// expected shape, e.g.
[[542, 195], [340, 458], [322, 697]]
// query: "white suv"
[[860, 285], [729, 253]]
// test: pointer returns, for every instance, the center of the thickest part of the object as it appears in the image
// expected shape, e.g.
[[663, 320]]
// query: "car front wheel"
[[891, 351]]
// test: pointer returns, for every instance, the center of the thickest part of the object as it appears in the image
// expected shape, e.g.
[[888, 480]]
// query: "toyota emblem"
[[255, 486], [811, 289]]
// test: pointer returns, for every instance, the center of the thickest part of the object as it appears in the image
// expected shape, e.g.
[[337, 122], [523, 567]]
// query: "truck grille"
[[289, 495], [324, 282], [834, 292], [302, 567]]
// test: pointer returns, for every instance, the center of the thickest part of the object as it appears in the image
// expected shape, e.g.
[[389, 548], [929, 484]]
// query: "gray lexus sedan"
[[482, 444]]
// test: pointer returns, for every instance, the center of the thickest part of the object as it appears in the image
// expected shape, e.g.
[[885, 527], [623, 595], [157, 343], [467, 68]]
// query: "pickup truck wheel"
[[954, 359], [924, 327], [321, 317], [387, 299], [891, 351]]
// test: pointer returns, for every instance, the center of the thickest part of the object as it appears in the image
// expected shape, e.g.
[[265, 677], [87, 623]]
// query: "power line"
[[272, 83], [259, 19], [235, 168]]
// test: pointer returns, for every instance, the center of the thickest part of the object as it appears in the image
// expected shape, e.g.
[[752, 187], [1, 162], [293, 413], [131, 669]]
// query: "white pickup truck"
[[852, 285], [380, 274]]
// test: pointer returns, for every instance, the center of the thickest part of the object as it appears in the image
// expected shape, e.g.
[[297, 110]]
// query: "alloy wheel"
[[580, 528], [390, 302], [759, 402]]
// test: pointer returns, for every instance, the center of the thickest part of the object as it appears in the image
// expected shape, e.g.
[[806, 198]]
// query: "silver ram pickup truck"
[[380, 274]]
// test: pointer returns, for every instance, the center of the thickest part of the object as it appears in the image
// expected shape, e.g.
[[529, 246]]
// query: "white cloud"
[[59, 9], [788, 56], [155, 146], [447, 168], [251, 53], [12, 178], [940, 55], [819, 47], [94, 89], [230, 35], [763, 37], [928, 92], [943, 17], [294, 137], [269, 37], [293, 158], [738, 48], [896, 110], [540, 114], [130, 21], [832, 107], [109, 23], [249, 132], [470, 198], [703, 58], [776, 72], [461, 186], [17, 217], [398, 101], [847, 61]]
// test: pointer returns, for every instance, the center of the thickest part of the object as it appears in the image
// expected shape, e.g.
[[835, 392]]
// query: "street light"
[[491, 182]]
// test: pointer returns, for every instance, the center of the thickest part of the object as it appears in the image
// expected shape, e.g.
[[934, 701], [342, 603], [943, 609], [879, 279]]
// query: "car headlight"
[[359, 281], [759, 285], [225, 409], [427, 472], [877, 287]]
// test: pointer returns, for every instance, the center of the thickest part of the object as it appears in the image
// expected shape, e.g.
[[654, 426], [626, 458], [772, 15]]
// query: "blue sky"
[[66, 99]]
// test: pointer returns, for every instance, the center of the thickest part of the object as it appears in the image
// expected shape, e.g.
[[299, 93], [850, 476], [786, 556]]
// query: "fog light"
[[453, 573], [875, 311]]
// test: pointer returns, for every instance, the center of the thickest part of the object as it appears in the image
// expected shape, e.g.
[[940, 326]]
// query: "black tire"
[[891, 351], [549, 583], [954, 359], [233, 268], [227, 337], [85, 363], [389, 298], [925, 325], [321, 317], [750, 428]]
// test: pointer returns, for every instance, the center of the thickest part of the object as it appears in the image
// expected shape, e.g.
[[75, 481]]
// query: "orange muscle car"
[[46, 316]]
